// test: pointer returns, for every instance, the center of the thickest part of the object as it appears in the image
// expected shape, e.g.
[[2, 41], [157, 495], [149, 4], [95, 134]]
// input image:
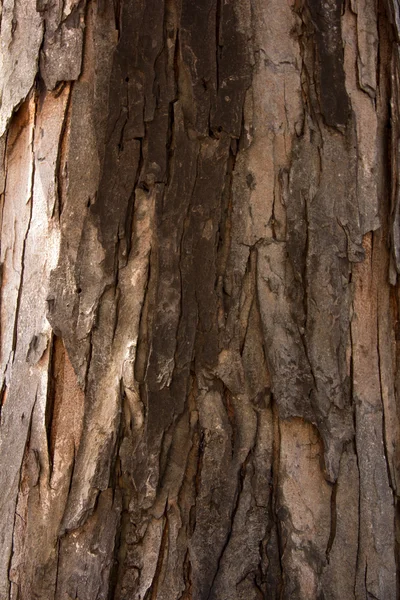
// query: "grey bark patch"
[[21, 37], [37, 348], [61, 51], [55, 64]]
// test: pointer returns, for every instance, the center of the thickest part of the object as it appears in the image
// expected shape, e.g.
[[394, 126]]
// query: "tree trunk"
[[200, 242]]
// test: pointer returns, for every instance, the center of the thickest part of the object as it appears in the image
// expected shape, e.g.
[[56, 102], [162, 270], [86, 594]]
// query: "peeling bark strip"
[[199, 220]]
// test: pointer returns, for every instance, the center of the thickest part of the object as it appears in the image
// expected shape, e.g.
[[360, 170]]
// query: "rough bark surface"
[[200, 248]]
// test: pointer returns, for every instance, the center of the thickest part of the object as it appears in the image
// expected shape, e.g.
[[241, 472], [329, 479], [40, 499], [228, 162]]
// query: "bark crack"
[[332, 534], [26, 449]]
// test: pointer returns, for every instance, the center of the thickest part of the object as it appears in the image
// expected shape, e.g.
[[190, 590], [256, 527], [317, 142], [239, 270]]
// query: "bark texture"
[[200, 248]]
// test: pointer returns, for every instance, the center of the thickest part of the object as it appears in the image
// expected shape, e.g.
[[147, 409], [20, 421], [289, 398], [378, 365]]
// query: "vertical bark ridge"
[[199, 259]]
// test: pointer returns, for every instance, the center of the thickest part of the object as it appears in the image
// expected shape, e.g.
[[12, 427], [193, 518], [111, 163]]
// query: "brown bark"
[[199, 299]]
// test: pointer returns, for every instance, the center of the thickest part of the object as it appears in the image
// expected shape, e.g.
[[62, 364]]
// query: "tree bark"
[[200, 249]]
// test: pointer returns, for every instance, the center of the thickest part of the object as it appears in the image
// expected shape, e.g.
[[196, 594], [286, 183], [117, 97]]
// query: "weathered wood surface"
[[200, 249]]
